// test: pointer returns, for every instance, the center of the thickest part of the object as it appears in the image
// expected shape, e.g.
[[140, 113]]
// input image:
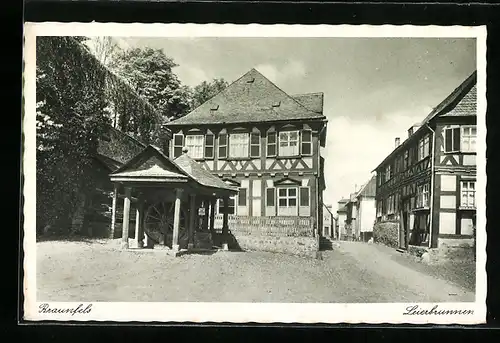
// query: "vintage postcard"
[[254, 173]]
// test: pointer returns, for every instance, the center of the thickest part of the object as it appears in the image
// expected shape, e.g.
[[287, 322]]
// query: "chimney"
[[396, 142]]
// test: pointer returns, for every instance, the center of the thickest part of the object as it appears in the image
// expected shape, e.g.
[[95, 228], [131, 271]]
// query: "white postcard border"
[[245, 312]]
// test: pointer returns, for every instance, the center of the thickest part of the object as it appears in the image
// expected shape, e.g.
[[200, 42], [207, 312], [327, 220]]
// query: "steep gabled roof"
[[251, 98], [312, 101], [461, 102], [368, 189]]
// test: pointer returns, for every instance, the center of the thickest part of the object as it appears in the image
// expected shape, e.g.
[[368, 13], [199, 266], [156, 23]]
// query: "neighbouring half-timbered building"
[[262, 141], [427, 184]]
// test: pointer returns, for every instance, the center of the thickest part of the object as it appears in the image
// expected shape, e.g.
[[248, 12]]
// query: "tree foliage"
[[71, 116], [207, 90], [150, 72]]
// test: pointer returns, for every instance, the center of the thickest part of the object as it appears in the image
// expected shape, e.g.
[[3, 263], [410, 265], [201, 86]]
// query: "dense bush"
[[386, 233]]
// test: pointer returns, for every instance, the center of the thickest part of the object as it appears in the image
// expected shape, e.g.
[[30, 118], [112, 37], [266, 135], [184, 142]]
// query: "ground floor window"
[[287, 201], [468, 194], [231, 209]]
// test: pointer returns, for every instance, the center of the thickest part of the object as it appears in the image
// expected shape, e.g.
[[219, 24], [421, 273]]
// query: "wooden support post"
[[212, 217], [177, 214], [139, 235], [225, 225], [192, 220], [113, 211], [206, 205], [126, 216]]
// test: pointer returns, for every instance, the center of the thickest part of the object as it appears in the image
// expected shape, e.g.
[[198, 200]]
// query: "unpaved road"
[[353, 272]]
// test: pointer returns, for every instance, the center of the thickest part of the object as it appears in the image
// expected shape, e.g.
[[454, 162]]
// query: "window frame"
[[288, 133], [470, 137], [468, 191], [308, 189], [287, 198], [190, 151], [242, 190], [273, 144], [232, 137], [273, 198]]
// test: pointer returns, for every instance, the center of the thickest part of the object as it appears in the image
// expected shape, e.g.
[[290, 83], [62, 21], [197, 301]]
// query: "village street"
[[352, 272]]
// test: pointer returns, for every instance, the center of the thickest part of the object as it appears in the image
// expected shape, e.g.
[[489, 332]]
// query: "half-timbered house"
[[344, 231], [361, 211], [264, 142], [427, 183]]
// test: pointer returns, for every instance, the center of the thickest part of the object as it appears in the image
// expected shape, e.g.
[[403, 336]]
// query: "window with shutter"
[[270, 196], [178, 144], [469, 138], [271, 144], [306, 144], [255, 144], [304, 196], [452, 139], [222, 145], [242, 197], [209, 145]]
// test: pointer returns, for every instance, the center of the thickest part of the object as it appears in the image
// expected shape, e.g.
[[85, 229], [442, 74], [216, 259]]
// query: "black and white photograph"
[[254, 173]]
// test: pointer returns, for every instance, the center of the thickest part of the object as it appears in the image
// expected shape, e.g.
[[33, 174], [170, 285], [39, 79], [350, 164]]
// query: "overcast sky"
[[375, 88]]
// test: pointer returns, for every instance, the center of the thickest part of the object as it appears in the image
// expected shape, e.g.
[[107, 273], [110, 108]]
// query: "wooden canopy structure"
[[171, 197]]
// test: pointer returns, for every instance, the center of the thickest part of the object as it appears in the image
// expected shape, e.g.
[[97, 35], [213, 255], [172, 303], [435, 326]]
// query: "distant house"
[[427, 184], [344, 232], [254, 136], [328, 222], [361, 211]]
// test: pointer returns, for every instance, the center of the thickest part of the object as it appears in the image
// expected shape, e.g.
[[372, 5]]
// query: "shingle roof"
[[251, 98], [202, 176], [152, 163], [312, 101]]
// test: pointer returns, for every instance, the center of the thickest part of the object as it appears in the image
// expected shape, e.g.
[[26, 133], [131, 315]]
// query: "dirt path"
[[76, 271], [383, 261]]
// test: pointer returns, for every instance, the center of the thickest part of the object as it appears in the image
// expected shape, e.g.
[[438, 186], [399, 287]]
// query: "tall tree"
[[151, 73], [71, 116], [207, 90], [104, 48]]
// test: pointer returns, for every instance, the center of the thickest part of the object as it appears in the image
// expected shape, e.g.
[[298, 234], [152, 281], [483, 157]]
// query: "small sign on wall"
[[201, 211]]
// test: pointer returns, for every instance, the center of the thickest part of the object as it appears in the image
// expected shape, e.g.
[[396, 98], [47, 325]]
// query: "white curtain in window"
[[469, 139], [238, 145], [289, 143], [194, 144]]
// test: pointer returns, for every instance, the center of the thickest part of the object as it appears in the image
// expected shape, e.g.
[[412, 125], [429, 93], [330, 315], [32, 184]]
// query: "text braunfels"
[[80, 309]]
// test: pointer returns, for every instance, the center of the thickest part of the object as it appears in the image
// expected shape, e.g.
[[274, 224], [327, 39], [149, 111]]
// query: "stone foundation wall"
[[298, 246], [457, 250]]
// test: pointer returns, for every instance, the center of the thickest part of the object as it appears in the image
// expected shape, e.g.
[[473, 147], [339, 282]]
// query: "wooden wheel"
[[159, 222]]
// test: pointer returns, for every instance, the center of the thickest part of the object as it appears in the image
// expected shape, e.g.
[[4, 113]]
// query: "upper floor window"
[[423, 196], [406, 159], [468, 194], [209, 145], [306, 144], [178, 144], [289, 143], [255, 144], [238, 145], [390, 204], [388, 173], [460, 139], [469, 138], [271, 144], [222, 145], [423, 147], [194, 144]]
